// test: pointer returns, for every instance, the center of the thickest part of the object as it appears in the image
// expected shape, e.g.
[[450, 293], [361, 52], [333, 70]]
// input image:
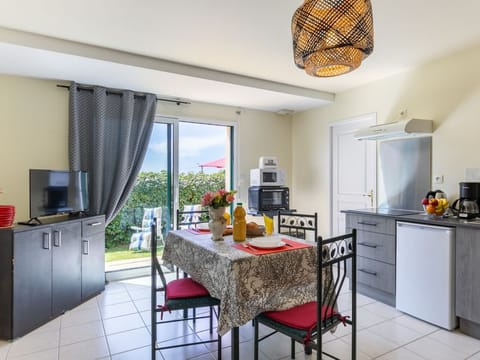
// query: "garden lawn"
[[122, 253]]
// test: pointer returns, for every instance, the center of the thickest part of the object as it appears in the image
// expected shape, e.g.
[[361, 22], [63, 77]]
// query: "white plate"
[[267, 244]]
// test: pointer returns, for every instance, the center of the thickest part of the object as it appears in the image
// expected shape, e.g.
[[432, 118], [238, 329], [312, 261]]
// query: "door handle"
[[370, 195], [46, 240], [366, 223], [57, 238], [374, 273], [370, 245], [86, 247]]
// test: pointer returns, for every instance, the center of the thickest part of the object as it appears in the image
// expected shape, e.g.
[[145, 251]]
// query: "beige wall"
[[446, 91], [34, 134]]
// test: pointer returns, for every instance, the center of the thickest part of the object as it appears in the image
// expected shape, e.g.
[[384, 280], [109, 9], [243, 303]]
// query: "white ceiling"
[[238, 52]]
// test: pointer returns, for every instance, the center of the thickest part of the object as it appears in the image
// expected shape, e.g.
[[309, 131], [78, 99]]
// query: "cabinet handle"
[[370, 245], [367, 223], [94, 224], [46, 241], [86, 247], [374, 273], [57, 238]]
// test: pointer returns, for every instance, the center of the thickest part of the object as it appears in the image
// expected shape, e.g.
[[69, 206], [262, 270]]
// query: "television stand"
[[47, 270], [32, 222]]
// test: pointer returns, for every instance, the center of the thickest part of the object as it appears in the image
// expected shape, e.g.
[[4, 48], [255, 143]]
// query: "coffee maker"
[[466, 207]]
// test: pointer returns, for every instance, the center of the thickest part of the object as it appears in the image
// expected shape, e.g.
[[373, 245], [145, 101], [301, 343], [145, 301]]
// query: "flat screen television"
[[57, 192]]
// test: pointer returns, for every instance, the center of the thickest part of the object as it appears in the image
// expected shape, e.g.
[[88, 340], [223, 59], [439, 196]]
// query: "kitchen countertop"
[[420, 217]]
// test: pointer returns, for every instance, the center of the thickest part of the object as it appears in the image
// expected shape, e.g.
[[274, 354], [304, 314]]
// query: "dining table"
[[248, 280]]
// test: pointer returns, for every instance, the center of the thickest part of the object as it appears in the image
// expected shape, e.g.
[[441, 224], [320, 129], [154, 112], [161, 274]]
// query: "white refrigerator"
[[426, 273]]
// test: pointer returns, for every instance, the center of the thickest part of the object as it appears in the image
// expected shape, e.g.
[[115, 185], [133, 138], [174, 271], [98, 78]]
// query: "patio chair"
[[300, 322], [141, 238], [191, 216], [179, 294], [303, 226]]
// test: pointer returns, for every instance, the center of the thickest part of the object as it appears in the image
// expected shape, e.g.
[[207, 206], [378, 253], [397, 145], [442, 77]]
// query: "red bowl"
[[11, 207], [7, 215]]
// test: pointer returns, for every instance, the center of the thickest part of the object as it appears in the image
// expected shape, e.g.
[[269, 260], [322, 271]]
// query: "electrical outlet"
[[438, 179]]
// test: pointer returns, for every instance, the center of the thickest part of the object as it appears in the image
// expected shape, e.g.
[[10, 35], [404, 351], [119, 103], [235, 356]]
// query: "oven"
[[263, 199]]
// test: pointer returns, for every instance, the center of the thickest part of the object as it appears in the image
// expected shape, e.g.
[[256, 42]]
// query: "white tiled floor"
[[116, 326]]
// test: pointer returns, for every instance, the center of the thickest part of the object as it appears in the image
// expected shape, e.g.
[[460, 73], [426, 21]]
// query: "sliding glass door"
[[184, 159], [204, 161]]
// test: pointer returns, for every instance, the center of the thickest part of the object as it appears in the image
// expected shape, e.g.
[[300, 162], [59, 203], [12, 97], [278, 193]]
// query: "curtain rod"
[[178, 102]]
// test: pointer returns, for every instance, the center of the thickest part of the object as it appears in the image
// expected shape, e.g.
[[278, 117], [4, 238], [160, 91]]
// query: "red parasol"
[[219, 164]]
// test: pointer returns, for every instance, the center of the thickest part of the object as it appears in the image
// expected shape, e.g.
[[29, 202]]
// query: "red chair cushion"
[[303, 317], [185, 288]]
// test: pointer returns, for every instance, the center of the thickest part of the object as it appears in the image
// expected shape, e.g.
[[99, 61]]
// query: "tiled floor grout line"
[[383, 322], [104, 329], [404, 345]]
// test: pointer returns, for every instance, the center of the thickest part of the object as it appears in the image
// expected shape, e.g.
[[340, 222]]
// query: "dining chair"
[[301, 323], [179, 294], [303, 226], [191, 216]]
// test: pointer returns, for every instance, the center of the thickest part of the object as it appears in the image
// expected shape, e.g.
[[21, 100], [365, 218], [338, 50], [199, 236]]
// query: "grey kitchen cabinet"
[[467, 281], [375, 255], [41, 272]]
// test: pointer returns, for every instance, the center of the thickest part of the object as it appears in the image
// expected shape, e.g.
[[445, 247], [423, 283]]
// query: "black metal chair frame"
[[332, 256], [296, 230], [176, 304], [180, 220], [182, 214]]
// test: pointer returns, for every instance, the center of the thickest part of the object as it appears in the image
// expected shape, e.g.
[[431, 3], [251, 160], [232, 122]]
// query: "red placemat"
[[292, 245], [198, 231]]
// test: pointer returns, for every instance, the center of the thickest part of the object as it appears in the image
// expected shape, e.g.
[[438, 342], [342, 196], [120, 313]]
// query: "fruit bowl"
[[435, 207]]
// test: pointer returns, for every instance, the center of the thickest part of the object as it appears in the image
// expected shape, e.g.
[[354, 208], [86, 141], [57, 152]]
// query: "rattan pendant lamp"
[[332, 37]]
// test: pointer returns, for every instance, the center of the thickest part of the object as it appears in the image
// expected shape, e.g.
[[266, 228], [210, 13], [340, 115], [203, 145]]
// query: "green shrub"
[[150, 191]]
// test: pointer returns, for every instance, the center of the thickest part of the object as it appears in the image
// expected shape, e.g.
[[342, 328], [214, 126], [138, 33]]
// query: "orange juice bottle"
[[239, 223]]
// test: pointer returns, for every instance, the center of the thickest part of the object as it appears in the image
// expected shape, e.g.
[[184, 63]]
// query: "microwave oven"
[[267, 199], [267, 177]]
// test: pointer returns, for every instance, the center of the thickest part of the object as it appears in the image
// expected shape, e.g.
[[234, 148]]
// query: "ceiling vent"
[[399, 129]]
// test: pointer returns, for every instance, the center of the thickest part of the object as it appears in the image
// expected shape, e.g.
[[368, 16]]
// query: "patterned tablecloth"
[[246, 284]]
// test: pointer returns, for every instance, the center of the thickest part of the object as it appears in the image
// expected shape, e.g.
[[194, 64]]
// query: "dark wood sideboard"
[[48, 269]]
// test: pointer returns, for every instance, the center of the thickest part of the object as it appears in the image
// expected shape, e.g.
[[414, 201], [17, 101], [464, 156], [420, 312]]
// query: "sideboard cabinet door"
[[32, 280], [66, 266], [93, 257]]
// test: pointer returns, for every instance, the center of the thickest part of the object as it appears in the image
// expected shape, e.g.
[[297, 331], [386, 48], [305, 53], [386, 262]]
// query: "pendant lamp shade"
[[332, 37]]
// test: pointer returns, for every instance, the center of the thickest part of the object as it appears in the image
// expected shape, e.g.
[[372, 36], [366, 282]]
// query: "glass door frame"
[[173, 142]]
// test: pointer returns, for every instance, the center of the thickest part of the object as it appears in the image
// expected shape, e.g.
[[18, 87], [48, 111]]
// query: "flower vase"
[[217, 222]]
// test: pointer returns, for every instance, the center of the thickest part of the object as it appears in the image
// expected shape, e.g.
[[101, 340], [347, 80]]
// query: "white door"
[[353, 170]]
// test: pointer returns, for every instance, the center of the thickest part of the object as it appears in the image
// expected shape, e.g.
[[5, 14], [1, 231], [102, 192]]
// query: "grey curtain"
[[109, 133]]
